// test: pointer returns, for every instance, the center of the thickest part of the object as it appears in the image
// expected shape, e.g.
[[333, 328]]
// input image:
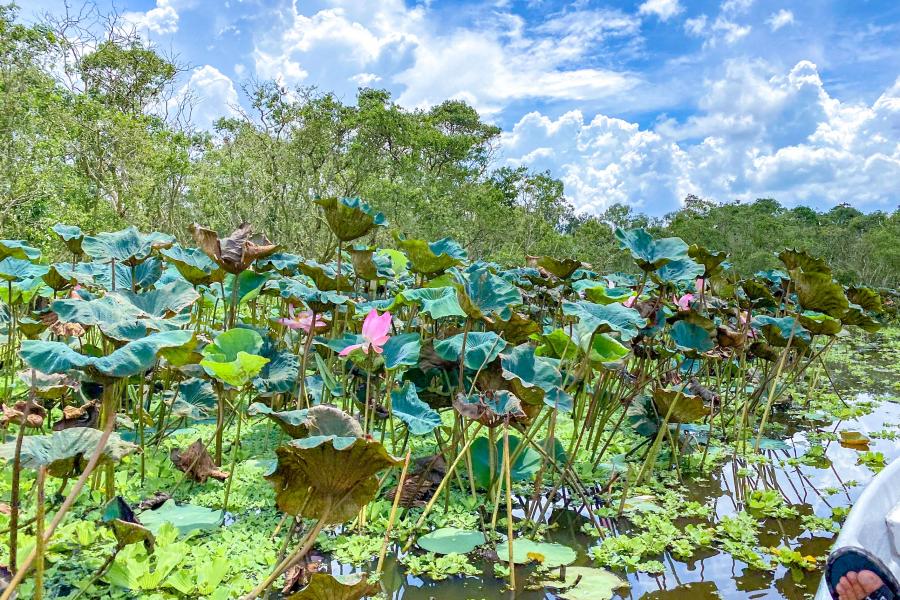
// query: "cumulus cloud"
[[664, 9], [757, 133], [500, 60], [780, 19], [213, 93], [161, 19]]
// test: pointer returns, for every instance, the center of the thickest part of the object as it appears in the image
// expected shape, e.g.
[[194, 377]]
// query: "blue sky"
[[641, 102]]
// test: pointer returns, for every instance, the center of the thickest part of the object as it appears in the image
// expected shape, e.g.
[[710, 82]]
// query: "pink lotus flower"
[[375, 333], [700, 284], [303, 321], [744, 320], [684, 303], [630, 301]]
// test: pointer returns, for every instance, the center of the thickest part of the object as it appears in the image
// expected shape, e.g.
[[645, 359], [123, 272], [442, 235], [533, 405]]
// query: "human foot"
[[857, 586]]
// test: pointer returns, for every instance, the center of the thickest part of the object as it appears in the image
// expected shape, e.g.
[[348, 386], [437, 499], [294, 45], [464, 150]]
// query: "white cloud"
[[734, 7], [365, 79], [214, 94], [780, 19], [664, 9], [720, 30], [496, 61], [757, 133], [161, 19]]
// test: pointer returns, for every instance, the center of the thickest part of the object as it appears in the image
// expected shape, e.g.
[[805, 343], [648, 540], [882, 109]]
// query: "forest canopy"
[[97, 133]]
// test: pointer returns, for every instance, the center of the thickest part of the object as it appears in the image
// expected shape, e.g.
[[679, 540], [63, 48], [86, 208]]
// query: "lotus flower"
[[375, 333], [700, 284], [630, 301], [303, 321], [684, 303], [744, 320]]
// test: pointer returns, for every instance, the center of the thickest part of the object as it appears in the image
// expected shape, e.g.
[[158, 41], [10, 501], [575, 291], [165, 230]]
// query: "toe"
[[869, 581]]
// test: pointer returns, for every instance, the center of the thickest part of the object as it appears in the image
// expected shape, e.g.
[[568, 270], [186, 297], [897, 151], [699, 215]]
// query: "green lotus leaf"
[[23, 292], [759, 293], [420, 419], [128, 246], [651, 254], [534, 378], [236, 372], [857, 317], [350, 218], [691, 337], [451, 540], [685, 408], [18, 249], [482, 294], [184, 517], [292, 422], [31, 328], [282, 262], [65, 453], [338, 344], [131, 359], [60, 276], [548, 554], [607, 349], [317, 300], [642, 417], [516, 329], [127, 529], [17, 269], [437, 303], [236, 252], [325, 586], [679, 270], [778, 330], [598, 293], [587, 583], [196, 399], [249, 285], [820, 323], [557, 344], [227, 344], [105, 311], [523, 468], [401, 351], [711, 261], [592, 318], [164, 301], [558, 268], [431, 258], [866, 298], [194, 265], [818, 292], [328, 477], [482, 347], [369, 266], [71, 236], [128, 277], [279, 375], [764, 351], [800, 259], [325, 277]]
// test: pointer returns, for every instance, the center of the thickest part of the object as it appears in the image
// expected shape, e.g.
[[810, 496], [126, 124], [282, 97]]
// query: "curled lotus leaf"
[[560, 268], [557, 344], [127, 277], [436, 302], [18, 249], [328, 477], [128, 246], [279, 375], [295, 291], [642, 417], [419, 418], [369, 266], [164, 301], [615, 317], [819, 292], [482, 347], [71, 236], [131, 359], [680, 406], [402, 351], [65, 453], [517, 329], [800, 259], [598, 293], [350, 218], [711, 261], [759, 293], [119, 517], [284, 263], [491, 408], [650, 254], [482, 294], [234, 356], [325, 277], [193, 264], [534, 378], [431, 258], [777, 331], [196, 399], [18, 269], [866, 298], [764, 351], [679, 270], [691, 337], [60, 276], [195, 462], [236, 252], [49, 385], [320, 420], [292, 422], [324, 586], [857, 317], [86, 415], [523, 468], [820, 323]]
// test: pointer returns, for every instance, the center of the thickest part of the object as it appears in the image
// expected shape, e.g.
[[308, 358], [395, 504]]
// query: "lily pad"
[[185, 517], [587, 583], [451, 540], [548, 555]]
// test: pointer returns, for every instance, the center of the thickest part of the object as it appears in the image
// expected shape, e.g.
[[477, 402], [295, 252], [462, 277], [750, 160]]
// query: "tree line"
[[97, 132]]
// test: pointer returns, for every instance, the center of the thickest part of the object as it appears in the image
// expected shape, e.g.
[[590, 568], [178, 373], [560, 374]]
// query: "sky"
[[639, 102]]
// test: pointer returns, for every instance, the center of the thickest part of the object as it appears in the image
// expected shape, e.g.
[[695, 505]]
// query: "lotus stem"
[[234, 455], [40, 543], [509, 516], [397, 495], [774, 385]]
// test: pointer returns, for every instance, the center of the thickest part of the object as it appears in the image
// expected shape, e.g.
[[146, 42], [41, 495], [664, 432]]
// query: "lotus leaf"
[[606, 349], [127, 529], [587, 583], [490, 408], [128, 246], [420, 419], [196, 399], [522, 468], [482, 347], [284, 263], [866, 298], [685, 408], [279, 375], [482, 294], [799, 259], [778, 330], [369, 266], [516, 329], [17, 269], [534, 378], [184, 517], [651, 254], [194, 265], [236, 252], [759, 293], [604, 319], [558, 268], [164, 301], [437, 302], [711, 261], [679, 270], [820, 323], [642, 416], [317, 300], [324, 586], [818, 292], [451, 540], [18, 249], [691, 337], [292, 422], [325, 277], [857, 317], [236, 372], [128, 277], [557, 344], [548, 554], [350, 218], [65, 453], [431, 258]]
